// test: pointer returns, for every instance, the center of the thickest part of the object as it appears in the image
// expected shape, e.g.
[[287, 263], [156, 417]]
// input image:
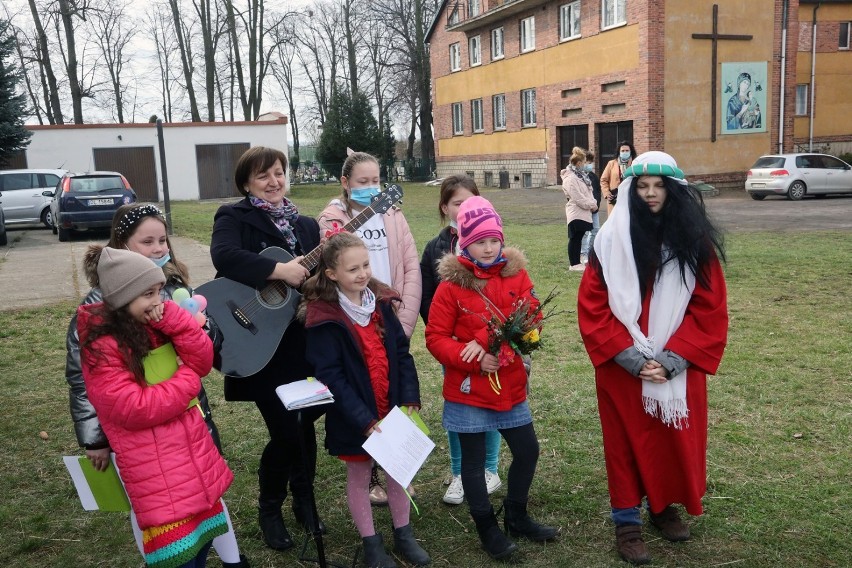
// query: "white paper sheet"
[[400, 448]]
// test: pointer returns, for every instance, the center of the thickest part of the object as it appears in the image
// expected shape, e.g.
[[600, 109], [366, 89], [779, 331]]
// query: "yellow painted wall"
[[833, 104], [613, 51], [687, 82], [526, 140]]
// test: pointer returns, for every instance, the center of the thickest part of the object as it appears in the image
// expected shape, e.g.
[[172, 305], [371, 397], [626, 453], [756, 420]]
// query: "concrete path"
[[36, 269]]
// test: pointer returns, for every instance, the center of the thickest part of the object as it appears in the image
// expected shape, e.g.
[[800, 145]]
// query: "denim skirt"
[[467, 419]]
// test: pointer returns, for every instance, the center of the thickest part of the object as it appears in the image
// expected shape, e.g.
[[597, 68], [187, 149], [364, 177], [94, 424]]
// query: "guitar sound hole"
[[273, 297]]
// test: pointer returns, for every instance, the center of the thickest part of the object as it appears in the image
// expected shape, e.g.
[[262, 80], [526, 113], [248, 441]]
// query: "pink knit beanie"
[[478, 220]]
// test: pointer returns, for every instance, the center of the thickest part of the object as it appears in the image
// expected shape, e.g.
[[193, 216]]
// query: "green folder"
[[98, 490], [160, 364]]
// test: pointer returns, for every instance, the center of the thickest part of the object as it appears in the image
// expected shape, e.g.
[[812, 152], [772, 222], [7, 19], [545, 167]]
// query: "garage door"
[[136, 164], [216, 163]]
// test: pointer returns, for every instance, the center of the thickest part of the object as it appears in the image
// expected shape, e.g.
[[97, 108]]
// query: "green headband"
[[654, 170]]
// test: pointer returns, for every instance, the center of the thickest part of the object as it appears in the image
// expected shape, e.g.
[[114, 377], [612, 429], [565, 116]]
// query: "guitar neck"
[[311, 260]]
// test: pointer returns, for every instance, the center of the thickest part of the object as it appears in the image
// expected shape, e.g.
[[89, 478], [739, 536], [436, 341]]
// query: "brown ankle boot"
[[630, 546], [670, 525]]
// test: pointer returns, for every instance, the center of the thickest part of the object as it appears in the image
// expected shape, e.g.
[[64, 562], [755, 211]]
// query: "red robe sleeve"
[[703, 334], [603, 335]]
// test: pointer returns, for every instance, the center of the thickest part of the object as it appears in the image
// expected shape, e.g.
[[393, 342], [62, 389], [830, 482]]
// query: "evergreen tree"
[[387, 157], [13, 135], [349, 123]]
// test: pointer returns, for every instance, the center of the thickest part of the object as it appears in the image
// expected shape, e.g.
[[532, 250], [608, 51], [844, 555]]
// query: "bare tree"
[[185, 58], [53, 109], [114, 34], [68, 10], [349, 24], [319, 34], [164, 43], [284, 72]]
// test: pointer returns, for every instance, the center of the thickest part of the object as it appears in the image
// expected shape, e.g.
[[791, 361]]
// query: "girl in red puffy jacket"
[[479, 394], [173, 473]]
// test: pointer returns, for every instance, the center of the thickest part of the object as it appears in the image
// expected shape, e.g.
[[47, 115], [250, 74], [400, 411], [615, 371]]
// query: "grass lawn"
[[779, 457]]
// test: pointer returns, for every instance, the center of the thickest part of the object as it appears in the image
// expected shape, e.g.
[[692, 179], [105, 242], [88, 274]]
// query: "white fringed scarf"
[[669, 298]]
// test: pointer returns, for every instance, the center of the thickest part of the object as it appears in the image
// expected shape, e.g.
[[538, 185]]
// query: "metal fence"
[[397, 170]]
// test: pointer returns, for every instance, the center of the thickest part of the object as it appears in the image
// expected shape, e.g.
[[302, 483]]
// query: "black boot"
[[518, 523], [494, 542], [375, 555], [304, 515], [243, 563], [406, 545], [273, 491]]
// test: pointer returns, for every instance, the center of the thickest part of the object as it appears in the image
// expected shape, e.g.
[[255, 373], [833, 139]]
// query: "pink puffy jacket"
[[402, 253], [169, 464]]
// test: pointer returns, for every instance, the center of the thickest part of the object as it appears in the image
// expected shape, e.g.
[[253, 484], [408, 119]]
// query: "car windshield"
[[96, 184], [769, 162]]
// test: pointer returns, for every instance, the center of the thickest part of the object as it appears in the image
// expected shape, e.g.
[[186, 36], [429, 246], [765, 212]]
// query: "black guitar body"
[[252, 321]]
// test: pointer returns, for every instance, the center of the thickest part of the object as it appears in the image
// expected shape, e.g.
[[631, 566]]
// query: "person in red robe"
[[653, 316]]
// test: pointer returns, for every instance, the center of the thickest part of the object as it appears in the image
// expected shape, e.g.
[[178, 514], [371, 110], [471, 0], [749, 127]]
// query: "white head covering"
[[669, 297]]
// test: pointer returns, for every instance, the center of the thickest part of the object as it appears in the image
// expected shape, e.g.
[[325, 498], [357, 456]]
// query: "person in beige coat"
[[614, 173], [581, 203]]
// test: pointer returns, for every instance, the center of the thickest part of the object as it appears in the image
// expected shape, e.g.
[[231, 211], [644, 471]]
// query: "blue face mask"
[[624, 156], [161, 262], [364, 195], [588, 167]]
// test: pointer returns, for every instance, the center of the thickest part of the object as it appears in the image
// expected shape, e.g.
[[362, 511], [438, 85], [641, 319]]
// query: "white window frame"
[[844, 43], [569, 18], [618, 11], [527, 34], [528, 117], [455, 57], [802, 91], [476, 115], [497, 45], [498, 103], [458, 119], [474, 8], [474, 50]]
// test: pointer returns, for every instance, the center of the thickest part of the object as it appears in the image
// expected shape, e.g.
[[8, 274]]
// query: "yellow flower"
[[531, 336]]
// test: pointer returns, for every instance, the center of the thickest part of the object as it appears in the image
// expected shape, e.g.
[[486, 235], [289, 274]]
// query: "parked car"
[[23, 195], [3, 238], [797, 175], [83, 201]]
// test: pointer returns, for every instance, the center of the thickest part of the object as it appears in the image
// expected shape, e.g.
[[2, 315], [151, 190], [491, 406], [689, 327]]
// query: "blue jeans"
[[589, 237], [492, 451]]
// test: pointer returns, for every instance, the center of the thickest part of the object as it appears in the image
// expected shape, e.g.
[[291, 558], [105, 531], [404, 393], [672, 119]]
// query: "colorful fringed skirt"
[[175, 544]]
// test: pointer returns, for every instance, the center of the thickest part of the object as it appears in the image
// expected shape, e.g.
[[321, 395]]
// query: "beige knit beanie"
[[125, 274]]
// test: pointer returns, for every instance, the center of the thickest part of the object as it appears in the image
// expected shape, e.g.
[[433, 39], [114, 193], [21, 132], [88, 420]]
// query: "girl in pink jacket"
[[173, 473]]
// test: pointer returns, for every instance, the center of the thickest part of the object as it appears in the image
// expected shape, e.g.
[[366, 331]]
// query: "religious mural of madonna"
[[744, 87]]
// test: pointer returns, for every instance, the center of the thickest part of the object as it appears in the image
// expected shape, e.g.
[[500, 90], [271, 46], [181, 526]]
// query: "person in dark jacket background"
[[267, 218]]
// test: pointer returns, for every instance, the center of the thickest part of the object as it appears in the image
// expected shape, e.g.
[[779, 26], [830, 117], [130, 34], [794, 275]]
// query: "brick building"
[[517, 83]]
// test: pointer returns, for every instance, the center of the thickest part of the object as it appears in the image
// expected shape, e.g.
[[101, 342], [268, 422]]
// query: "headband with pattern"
[[654, 170], [132, 217]]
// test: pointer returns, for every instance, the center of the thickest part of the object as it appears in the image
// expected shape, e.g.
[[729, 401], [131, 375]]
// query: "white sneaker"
[[578, 267], [492, 482], [584, 259], [455, 492]]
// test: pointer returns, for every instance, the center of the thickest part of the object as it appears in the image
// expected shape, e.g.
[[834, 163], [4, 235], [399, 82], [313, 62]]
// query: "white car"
[[797, 175], [23, 198]]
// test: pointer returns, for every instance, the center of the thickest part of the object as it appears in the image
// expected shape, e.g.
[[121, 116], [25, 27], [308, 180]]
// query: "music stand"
[[314, 531]]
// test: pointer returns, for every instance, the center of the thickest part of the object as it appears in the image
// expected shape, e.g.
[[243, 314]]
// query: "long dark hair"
[[682, 227], [448, 190], [133, 340]]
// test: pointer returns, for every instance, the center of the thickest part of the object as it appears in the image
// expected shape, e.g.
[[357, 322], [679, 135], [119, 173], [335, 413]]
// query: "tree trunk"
[[65, 12], [423, 74], [53, 109], [185, 63], [351, 56]]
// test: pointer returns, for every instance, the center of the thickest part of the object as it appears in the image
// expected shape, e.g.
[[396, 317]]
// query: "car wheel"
[[64, 234], [47, 218], [796, 191], [757, 196]]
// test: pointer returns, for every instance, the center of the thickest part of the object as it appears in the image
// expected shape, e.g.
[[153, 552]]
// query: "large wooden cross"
[[715, 37]]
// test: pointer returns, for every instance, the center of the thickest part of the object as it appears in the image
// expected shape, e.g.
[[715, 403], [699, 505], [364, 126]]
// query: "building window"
[[845, 31], [474, 45], [497, 43], [499, 104], [458, 119], [455, 57], [801, 100], [474, 8], [613, 13], [528, 107], [453, 17], [476, 115], [527, 180], [569, 21], [528, 34]]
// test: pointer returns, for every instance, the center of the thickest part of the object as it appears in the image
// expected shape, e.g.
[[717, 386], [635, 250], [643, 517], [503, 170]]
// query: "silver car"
[[797, 175], [23, 195]]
